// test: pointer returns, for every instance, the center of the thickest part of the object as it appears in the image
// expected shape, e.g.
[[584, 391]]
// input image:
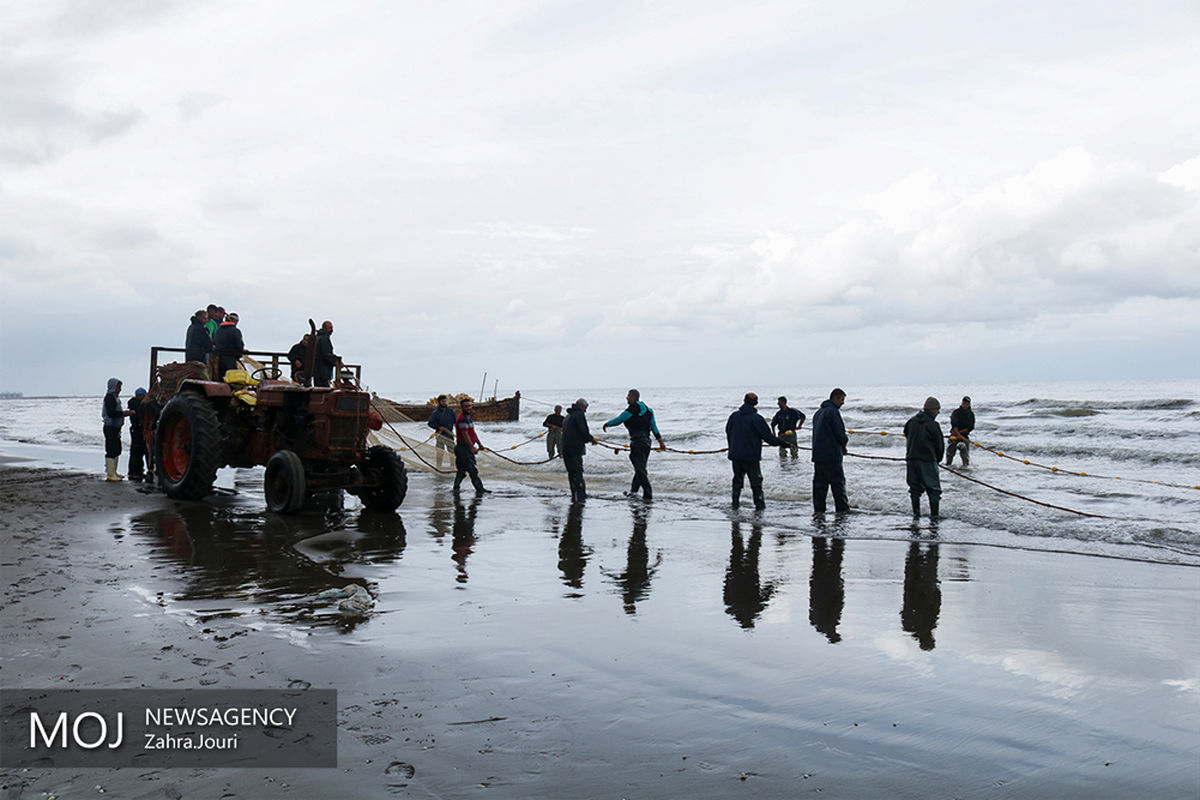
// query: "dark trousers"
[[464, 460], [753, 471], [574, 465], [923, 478], [112, 441], [639, 455], [829, 475], [226, 363], [137, 452]]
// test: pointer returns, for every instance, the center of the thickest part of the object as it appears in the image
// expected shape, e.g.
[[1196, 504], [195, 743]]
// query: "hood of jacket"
[[113, 383]]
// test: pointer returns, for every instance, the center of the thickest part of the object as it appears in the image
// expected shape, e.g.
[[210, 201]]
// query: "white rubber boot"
[[110, 465]]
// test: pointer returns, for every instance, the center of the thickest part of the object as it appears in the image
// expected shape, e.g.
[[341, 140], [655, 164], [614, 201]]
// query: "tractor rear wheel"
[[187, 447], [389, 493], [284, 482]]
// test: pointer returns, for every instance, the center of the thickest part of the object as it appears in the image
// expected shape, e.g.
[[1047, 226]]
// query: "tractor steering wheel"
[[265, 374]]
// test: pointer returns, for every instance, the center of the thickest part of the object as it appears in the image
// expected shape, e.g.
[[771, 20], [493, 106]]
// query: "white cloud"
[[674, 177]]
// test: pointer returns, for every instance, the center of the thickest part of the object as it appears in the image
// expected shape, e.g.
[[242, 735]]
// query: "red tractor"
[[309, 439]]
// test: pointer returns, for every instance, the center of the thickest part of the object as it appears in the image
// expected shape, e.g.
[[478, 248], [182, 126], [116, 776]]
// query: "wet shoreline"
[[537, 649]]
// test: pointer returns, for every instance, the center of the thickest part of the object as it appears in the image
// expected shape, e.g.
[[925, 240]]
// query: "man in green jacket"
[[923, 450]]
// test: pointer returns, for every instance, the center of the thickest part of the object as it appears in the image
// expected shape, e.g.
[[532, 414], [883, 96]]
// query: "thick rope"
[[1046, 467], [1023, 497]]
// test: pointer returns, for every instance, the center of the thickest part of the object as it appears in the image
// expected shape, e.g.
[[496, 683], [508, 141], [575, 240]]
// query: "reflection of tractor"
[[309, 439]]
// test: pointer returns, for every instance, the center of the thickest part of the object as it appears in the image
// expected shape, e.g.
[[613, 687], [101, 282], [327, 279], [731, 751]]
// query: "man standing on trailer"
[[326, 360]]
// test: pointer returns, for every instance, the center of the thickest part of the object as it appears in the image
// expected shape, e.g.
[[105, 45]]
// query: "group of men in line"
[[214, 339], [746, 432]]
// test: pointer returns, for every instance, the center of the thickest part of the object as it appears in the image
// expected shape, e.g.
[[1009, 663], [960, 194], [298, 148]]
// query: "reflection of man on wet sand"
[[826, 589], [745, 596], [464, 536], [922, 593], [635, 580], [572, 555]]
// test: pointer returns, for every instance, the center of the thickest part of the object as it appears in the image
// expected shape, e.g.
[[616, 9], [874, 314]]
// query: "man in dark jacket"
[[138, 455], [197, 344], [576, 437], [829, 445], [326, 360], [113, 417], [228, 344], [442, 420], [786, 424], [297, 355], [745, 432], [554, 427], [923, 450], [962, 422], [638, 418]]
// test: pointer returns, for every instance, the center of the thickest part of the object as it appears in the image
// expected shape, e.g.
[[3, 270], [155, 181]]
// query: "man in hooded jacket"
[[923, 450], [745, 432], [197, 344], [113, 417]]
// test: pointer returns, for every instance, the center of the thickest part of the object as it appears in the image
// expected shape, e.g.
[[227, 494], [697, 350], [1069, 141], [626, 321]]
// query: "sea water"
[[1113, 467]]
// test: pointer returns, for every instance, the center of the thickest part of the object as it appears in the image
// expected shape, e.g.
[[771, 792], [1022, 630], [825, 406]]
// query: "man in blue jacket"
[[745, 432], [442, 421], [829, 445], [639, 419]]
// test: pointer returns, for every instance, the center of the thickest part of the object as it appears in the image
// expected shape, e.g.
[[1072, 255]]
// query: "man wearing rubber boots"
[[745, 432], [829, 442], [443, 421], [962, 422], [466, 448], [638, 418], [923, 451]]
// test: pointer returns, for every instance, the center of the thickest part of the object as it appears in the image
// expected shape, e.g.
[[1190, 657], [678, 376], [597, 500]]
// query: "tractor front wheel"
[[187, 447], [388, 494]]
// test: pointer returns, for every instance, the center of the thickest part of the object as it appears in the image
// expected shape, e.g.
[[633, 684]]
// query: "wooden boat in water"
[[507, 409]]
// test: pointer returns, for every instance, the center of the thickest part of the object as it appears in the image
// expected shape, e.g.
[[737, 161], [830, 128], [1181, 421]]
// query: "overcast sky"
[[605, 193]]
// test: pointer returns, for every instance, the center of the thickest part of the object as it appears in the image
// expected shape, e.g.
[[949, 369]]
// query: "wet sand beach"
[[520, 646]]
